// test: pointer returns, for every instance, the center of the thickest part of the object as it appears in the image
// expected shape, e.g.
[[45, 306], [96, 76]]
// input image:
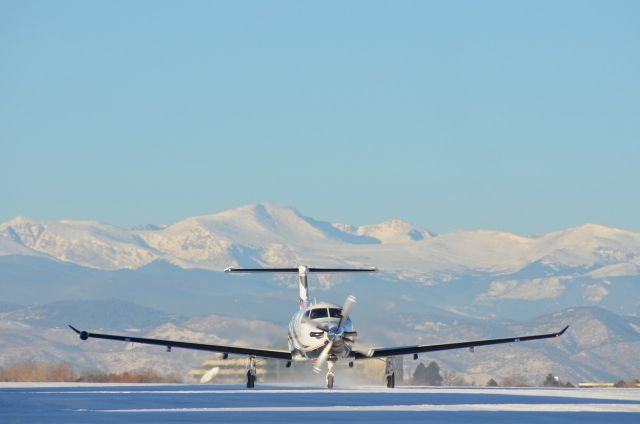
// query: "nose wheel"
[[330, 375]]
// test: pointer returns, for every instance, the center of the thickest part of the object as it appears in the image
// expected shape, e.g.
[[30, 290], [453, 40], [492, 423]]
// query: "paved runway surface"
[[37, 403]]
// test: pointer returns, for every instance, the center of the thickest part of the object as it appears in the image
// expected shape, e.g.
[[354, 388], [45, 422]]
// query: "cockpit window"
[[318, 313], [335, 313]]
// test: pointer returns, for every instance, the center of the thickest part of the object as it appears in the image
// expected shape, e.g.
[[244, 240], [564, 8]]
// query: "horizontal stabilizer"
[[297, 270]]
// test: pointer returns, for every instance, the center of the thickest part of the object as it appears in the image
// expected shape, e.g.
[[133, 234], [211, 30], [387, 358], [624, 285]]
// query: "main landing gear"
[[251, 372], [389, 372]]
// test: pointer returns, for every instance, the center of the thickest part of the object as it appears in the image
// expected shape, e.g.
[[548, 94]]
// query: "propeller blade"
[[208, 376], [324, 355], [346, 309], [366, 350]]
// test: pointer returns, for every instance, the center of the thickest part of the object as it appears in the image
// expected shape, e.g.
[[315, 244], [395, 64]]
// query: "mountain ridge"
[[274, 235], [479, 272]]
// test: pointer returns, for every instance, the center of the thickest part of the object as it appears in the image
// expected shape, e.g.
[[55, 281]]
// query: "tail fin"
[[303, 271]]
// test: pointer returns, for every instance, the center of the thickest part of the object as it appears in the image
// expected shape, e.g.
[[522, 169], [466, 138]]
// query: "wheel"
[[391, 381], [251, 380], [330, 381]]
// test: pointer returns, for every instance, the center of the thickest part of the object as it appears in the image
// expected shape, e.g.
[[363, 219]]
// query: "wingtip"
[[228, 269], [84, 335], [563, 330]]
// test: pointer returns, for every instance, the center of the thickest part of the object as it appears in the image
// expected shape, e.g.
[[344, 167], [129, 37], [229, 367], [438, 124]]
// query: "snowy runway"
[[116, 404]]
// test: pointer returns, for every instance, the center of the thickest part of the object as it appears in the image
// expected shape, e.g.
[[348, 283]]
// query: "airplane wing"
[[407, 350], [264, 353]]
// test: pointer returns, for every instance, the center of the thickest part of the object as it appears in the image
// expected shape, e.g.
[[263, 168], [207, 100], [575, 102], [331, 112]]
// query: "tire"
[[391, 381], [330, 381], [251, 381]]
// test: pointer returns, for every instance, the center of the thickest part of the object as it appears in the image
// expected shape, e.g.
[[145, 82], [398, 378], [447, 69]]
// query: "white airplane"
[[322, 333]]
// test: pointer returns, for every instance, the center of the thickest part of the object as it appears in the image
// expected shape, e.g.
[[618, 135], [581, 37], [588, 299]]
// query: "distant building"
[[233, 370], [595, 384]]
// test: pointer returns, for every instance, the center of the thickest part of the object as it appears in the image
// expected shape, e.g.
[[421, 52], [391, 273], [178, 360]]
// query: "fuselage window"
[[335, 313], [318, 313]]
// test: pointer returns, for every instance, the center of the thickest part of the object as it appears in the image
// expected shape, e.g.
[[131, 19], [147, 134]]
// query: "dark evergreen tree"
[[427, 376], [550, 381], [433, 374], [420, 375]]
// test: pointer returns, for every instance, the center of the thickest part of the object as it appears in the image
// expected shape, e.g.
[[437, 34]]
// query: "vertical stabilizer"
[[303, 271]]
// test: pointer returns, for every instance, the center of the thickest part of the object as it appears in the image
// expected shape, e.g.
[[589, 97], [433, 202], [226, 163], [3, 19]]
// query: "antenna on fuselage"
[[303, 271]]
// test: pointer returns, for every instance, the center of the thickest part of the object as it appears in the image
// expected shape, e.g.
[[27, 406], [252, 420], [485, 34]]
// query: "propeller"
[[332, 333]]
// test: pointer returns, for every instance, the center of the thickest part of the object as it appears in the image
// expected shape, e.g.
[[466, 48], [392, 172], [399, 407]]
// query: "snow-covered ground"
[[68, 403]]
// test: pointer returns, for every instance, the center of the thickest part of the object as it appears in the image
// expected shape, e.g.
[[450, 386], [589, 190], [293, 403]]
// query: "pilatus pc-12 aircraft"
[[320, 332]]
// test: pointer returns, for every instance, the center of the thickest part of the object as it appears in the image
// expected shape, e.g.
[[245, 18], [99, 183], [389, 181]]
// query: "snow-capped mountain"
[[274, 235], [478, 270], [86, 243], [466, 271]]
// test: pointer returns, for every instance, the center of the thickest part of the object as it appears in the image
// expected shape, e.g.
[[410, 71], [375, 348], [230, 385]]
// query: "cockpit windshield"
[[335, 313], [318, 313]]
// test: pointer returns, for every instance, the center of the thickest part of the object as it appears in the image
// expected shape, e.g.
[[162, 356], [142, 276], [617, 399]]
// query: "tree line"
[[37, 371], [433, 375]]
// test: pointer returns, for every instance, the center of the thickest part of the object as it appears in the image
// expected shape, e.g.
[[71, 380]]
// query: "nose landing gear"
[[330, 375]]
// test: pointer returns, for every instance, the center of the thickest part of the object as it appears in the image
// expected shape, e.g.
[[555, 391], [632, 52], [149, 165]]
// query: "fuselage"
[[311, 328]]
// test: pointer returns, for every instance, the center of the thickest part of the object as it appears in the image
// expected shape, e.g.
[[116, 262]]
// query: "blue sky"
[[506, 115]]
